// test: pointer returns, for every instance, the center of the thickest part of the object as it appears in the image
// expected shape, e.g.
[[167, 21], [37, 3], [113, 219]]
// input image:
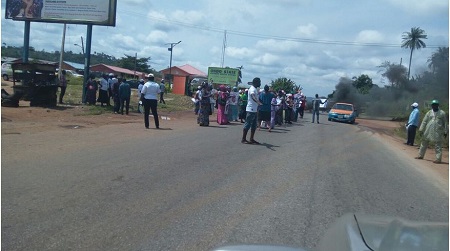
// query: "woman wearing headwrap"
[[205, 105], [222, 107], [233, 105]]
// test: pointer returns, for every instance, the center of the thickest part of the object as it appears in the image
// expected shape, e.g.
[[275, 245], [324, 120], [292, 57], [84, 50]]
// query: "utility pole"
[[224, 47], [82, 45], [170, 66]]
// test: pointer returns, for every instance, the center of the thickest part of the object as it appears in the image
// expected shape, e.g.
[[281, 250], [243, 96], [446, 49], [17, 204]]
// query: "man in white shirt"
[[149, 97], [251, 121]]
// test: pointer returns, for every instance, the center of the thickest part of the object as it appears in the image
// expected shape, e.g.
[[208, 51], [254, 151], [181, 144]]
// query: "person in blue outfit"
[[413, 123]]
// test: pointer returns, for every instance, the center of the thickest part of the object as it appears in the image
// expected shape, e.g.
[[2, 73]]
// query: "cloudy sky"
[[312, 42]]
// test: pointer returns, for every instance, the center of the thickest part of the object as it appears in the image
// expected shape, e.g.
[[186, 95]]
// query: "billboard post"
[[26, 42], [87, 60]]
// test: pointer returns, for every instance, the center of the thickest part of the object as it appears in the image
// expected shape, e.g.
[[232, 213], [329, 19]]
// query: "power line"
[[280, 38]]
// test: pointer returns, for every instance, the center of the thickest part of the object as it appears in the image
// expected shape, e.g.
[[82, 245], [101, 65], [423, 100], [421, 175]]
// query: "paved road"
[[121, 187]]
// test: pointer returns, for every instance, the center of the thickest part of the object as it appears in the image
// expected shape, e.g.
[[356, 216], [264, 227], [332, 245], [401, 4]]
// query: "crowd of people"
[[109, 87], [267, 108]]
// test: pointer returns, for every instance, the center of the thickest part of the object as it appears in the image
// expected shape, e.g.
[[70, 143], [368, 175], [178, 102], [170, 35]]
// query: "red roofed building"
[[182, 76], [121, 72]]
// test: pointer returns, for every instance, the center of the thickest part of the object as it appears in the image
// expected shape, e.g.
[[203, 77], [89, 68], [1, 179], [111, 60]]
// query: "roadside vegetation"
[[174, 102]]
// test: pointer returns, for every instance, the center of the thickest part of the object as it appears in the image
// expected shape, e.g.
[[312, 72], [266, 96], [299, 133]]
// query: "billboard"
[[228, 76], [98, 12]]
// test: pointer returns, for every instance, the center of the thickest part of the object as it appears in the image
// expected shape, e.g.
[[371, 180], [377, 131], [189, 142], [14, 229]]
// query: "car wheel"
[[329, 119], [5, 77]]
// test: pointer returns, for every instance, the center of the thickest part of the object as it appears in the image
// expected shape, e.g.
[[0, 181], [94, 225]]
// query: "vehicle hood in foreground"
[[383, 233], [356, 232]]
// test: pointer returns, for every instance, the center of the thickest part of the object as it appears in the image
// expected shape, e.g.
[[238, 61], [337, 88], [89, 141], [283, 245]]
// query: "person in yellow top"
[[434, 128]]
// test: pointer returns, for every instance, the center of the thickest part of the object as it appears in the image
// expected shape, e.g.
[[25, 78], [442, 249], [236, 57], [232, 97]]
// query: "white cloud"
[[156, 36], [370, 36], [306, 31], [428, 7], [277, 46], [267, 59], [239, 53]]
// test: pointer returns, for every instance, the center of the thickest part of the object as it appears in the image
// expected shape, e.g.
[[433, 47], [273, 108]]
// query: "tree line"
[[127, 61]]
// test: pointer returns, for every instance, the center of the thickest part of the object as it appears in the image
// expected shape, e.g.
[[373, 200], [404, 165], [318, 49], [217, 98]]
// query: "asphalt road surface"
[[184, 187]]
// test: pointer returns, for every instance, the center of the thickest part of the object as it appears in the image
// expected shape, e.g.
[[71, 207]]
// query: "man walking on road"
[[434, 128], [149, 97], [162, 88], [251, 110], [413, 123]]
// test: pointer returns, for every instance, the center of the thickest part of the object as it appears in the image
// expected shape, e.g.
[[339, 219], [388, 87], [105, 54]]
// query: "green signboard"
[[228, 76]]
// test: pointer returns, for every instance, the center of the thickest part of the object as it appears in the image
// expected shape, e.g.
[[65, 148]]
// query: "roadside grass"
[[73, 96]]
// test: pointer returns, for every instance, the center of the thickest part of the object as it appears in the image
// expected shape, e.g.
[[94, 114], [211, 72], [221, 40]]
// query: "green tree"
[[283, 84], [363, 83], [133, 63], [395, 73], [413, 41]]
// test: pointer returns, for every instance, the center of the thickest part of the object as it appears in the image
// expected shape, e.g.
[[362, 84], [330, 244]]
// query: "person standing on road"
[[274, 108], [434, 128], [279, 111], [124, 96], [288, 111], [162, 88], [222, 107], [243, 99], [413, 123], [297, 104], [302, 103], [265, 109], [111, 85], [197, 99], [62, 85], [205, 105], [149, 97], [139, 89], [251, 121], [91, 90], [233, 105], [115, 95], [103, 97], [316, 102]]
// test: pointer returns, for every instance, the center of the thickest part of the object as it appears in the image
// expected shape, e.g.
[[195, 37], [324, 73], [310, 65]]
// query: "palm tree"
[[438, 58], [412, 40]]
